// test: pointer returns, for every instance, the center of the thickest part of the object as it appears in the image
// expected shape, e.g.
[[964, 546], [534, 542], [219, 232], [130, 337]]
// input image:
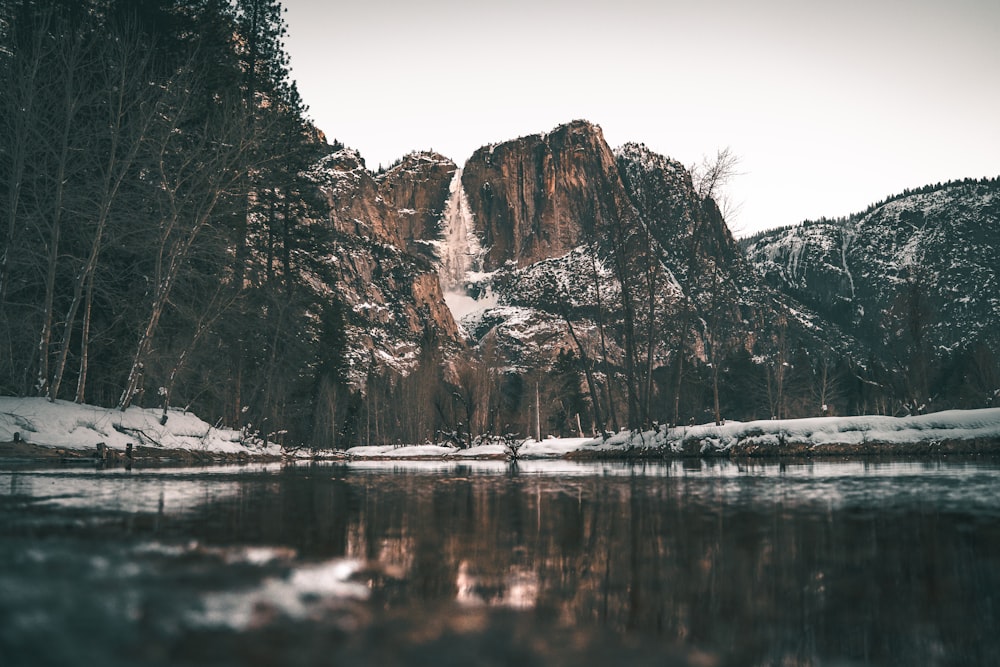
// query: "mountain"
[[371, 260], [554, 280], [556, 244], [540, 196], [418, 187], [914, 278]]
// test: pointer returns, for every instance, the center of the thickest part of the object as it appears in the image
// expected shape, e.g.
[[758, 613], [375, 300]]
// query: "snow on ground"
[[74, 426], [530, 449], [820, 431], [81, 427], [771, 435], [401, 451]]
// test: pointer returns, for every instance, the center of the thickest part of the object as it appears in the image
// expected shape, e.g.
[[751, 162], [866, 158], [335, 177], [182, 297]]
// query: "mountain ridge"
[[608, 264]]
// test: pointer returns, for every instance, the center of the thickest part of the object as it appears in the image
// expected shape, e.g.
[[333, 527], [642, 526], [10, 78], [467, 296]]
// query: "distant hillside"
[[914, 277], [853, 218]]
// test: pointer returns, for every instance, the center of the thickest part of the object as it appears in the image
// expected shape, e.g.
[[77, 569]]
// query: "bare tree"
[[708, 180], [129, 102], [778, 373], [22, 82], [61, 136], [827, 389], [621, 237], [712, 175], [191, 180], [599, 303]]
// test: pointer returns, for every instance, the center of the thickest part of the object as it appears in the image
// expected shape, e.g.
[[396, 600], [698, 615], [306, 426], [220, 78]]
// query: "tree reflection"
[[748, 568]]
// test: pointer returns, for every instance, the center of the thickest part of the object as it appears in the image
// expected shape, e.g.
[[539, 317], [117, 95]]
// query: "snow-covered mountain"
[[555, 244], [916, 277]]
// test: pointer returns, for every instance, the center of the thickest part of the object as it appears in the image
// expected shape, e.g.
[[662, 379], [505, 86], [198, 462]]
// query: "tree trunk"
[[128, 91], [588, 373], [81, 380], [612, 413]]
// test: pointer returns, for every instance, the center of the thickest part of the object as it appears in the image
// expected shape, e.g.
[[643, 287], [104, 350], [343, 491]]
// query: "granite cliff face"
[[356, 207], [540, 196], [418, 188], [372, 264], [565, 207]]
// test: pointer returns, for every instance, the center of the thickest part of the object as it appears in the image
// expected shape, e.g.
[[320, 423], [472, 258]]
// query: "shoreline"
[[34, 429], [39, 453], [35, 453]]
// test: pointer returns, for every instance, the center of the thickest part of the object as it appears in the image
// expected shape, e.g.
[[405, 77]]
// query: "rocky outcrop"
[[391, 295], [581, 242], [540, 196], [417, 188], [429, 299], [663, 192], [921, 265], [356, 207]]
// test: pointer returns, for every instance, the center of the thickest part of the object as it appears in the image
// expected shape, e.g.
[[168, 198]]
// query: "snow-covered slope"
[[925, 265], [951, 430], [67, 425]]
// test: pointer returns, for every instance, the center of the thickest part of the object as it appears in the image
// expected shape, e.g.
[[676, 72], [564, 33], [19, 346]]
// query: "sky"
[[830, 106]]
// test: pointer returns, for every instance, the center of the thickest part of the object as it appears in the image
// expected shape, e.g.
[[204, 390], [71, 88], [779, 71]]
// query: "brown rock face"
[[538, 197], [393, 294], [429, 301], [417, 188], [356, 206]]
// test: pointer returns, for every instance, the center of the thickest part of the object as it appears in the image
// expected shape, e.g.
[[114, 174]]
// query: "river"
[[480, 563]]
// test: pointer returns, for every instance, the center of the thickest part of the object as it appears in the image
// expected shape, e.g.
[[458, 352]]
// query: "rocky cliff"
[[540, 196], [581, 198], [418, 188], [371, 262], [554, 249], [614, 256]]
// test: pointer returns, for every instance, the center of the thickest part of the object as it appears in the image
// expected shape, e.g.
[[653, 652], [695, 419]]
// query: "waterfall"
[[460, 245], [459, 252]]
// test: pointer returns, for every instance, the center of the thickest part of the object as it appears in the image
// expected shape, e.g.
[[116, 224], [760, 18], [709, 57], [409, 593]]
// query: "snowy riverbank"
[[35, 427], [967, 431], [38, 427]]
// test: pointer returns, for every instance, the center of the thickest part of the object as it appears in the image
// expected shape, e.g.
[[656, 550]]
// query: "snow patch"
[[77, 426]]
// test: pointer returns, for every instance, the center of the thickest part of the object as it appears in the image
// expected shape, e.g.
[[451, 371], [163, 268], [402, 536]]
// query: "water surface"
[[702, 563]]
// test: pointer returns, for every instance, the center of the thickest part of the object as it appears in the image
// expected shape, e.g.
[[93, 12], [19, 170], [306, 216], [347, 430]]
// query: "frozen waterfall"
[[460, 244], [459, 252]]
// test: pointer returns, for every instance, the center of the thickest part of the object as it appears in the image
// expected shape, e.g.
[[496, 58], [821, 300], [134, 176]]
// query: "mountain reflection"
[[794, 566], [683, 563]]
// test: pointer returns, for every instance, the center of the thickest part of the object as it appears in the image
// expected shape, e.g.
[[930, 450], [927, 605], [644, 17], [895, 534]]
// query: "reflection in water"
[[517, 590], [691, 562]]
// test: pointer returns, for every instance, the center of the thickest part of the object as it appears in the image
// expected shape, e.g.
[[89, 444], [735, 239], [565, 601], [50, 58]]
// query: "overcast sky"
[[830, 105]]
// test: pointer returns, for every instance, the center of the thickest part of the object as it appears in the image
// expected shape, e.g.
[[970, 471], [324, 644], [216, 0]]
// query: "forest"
[[151, 158]]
